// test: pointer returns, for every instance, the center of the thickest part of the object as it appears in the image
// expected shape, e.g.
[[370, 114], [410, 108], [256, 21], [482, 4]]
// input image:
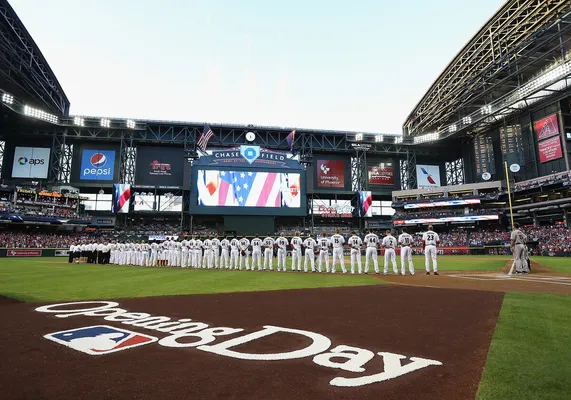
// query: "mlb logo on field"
[[100, 339]]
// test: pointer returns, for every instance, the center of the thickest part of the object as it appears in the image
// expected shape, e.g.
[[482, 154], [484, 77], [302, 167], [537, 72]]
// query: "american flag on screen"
[[248, 189]]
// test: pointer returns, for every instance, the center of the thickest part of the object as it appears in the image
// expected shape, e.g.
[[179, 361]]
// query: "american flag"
[[290, 140], [246, 189], [204, 138]]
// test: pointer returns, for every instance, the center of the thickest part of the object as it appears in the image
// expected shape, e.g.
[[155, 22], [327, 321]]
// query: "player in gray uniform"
[[517, 244]]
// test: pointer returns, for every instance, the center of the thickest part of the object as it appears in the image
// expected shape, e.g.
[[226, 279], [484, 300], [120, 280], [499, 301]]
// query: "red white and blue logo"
[[97, 165], [98, 160], [100, 339], [121, 197], [428, 177]]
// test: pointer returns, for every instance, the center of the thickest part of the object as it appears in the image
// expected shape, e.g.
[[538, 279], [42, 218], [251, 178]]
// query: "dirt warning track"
[[342, 343]]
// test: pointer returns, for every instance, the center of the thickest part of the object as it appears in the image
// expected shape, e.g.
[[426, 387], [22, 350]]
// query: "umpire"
[[517, 246]]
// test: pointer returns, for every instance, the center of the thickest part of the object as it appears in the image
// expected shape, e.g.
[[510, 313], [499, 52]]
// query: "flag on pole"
[[204, 138], [290, 139]]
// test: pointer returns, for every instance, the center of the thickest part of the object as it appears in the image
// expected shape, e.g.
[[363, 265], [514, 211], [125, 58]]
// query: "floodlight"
[[467, 120], [487, 109], [358, 137], [130, 124], [78, 121], [398, 139], [39, 114], [452, 128], [378, 138], [106, 123], [7, 98]]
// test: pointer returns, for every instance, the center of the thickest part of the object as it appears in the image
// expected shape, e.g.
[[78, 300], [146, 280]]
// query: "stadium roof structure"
[[519, 57], [24, 71]]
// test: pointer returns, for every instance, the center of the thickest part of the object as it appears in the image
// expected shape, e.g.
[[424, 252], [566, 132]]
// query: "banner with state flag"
[[365, 204], [121, 198]]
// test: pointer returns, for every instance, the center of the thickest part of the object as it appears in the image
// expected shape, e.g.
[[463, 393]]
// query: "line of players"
[[234, 253]]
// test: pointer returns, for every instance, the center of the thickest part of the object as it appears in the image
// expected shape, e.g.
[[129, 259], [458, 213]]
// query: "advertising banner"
[[103, 221], [381, 173], [547, 127], [550, 149], [330, 174], [427, 176], [447, 219], [248, 156], [159, 166], [97, 165], [61, 253], [339, 209], [444, 203], [24, 253], [31, 162]]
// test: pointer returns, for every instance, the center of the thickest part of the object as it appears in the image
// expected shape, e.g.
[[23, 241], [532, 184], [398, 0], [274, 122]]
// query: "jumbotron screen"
[[228, 188]]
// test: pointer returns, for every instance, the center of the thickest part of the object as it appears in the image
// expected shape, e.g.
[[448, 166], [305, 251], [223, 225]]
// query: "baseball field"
[[109, 332]]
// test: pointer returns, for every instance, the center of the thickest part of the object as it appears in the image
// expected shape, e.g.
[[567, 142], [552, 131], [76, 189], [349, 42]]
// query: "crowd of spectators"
[[51, 212], [562, 177], [550, 238]]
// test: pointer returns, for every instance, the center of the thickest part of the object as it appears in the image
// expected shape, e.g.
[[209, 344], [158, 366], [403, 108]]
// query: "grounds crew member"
[[517, 246]]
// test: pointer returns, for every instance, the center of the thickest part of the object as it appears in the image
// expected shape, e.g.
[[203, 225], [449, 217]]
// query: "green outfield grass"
[[558, 264], [530, 354], [53, 279]]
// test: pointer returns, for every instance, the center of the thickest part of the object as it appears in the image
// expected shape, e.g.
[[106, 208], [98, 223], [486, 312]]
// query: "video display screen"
[[228, 188]]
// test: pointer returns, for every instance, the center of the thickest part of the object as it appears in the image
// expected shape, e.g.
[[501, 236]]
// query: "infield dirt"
[[452, 326]]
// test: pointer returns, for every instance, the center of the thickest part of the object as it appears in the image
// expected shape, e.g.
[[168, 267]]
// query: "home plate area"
[[340, 343]]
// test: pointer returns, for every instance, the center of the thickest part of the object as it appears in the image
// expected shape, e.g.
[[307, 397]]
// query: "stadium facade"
[[505, 99]]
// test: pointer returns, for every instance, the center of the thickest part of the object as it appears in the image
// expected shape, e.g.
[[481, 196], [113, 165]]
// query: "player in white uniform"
[[257, 252], [208, 258], [145, 249], [225, 254], [337, 241], [296, 243], [405, 241], [215, 251], [198, 252], [355, 243], [309, 244], [323, 243], [153, 258], [518, 241], [234, 253], [389, 243], [244, 244], [184, 253], [371, 241], [268, 244], [429, 241], [282, 243]]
